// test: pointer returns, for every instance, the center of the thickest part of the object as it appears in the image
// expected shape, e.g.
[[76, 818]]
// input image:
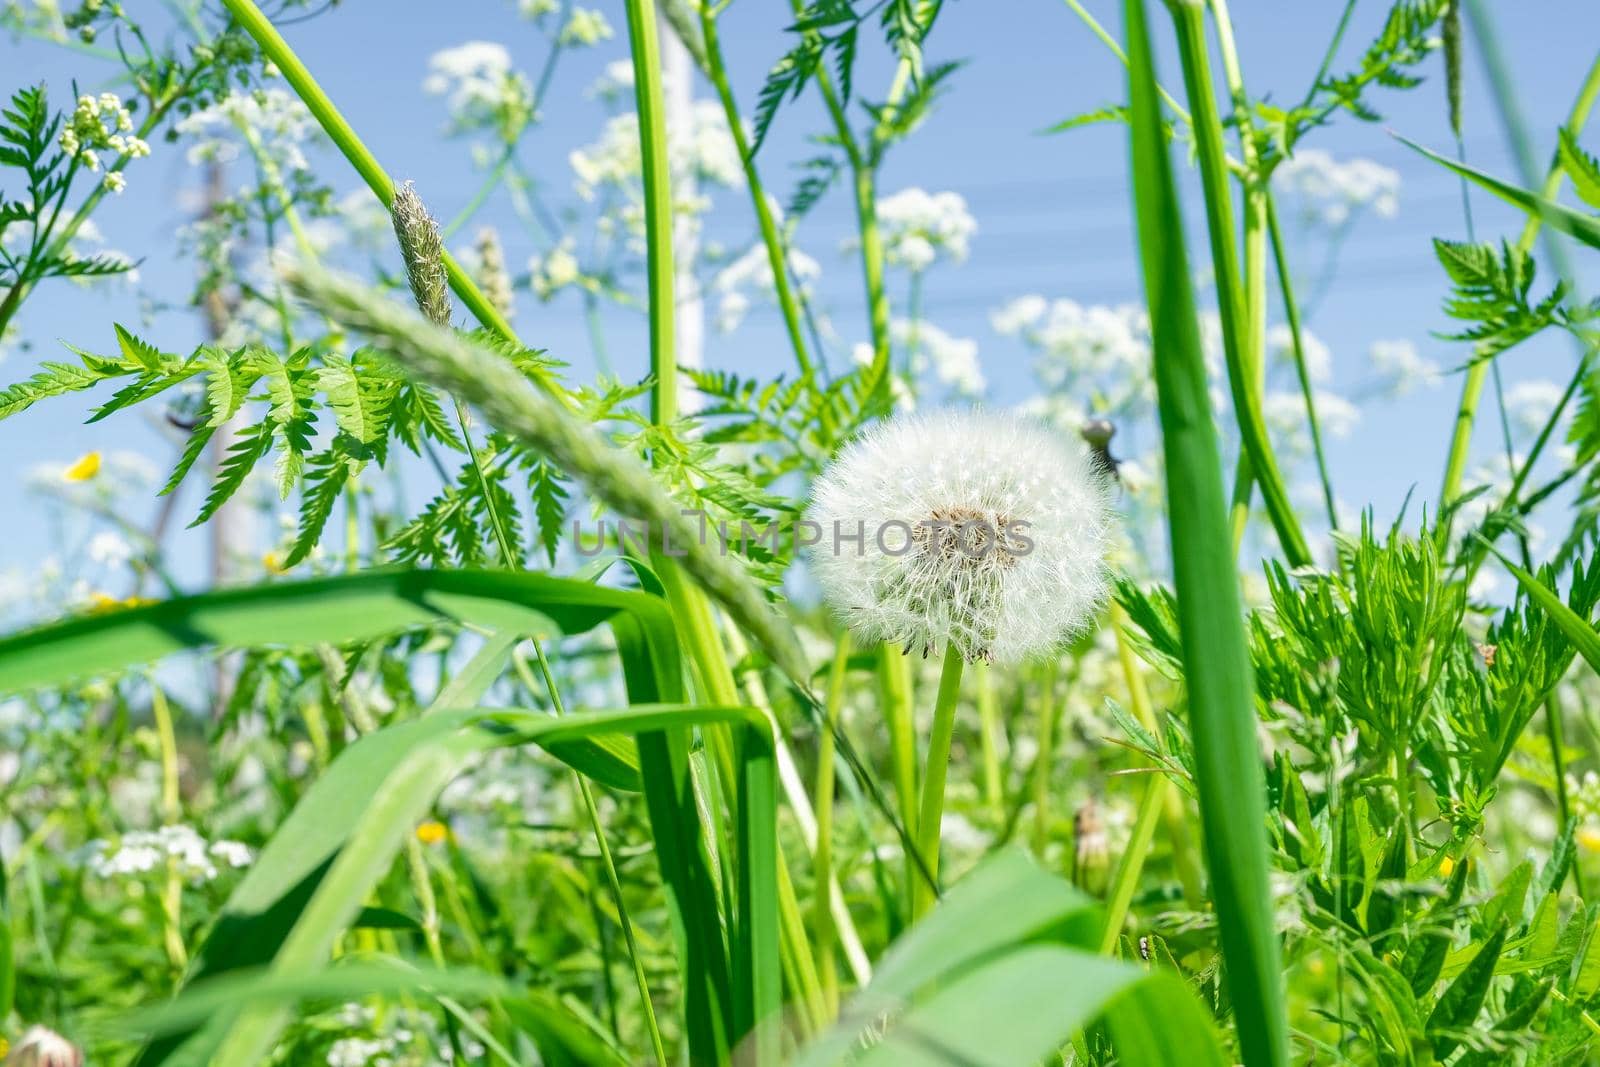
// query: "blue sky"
[[1052, 211]]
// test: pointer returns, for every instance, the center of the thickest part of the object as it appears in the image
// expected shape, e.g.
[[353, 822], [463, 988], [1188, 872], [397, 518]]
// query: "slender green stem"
[[1291, 311], [613, 883], [657, 208], [1044, 761], [344, 137], [1126, 880], [708, 661], [1116, 49], [171, 815], [931, 812], [1472, 384], [821, 910], [777, 247], [1233, 306], [1177, 827], [800, 806], [1227, 759]]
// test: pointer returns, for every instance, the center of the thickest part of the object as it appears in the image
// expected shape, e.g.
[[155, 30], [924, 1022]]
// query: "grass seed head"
[[423, 250]]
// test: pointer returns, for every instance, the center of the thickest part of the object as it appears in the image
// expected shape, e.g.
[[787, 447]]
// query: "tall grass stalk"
[[662, 306], [771, 237], [1291, 312], [1236, 304], [1174, 819], [821, 911], [1228, 775], [800, 808]]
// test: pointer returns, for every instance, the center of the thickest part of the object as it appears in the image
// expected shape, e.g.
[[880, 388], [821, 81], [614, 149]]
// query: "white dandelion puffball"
[[981, 530]]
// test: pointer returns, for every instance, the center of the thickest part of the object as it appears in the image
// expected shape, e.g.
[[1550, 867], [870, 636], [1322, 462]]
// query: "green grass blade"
[[428, 754], [1232, 303], [355, 607], [1557, 216], [1573, 627], [1217, 669], [345, 981]]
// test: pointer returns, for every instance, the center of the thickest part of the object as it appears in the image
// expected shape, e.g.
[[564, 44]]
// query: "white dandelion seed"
[[980, 530]]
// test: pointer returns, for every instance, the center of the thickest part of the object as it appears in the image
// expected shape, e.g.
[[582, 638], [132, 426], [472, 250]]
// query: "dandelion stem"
[[931, 813], [894, 680]]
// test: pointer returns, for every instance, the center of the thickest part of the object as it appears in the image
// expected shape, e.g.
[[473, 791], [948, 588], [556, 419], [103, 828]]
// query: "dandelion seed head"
[[981, 530], [40, 1046]]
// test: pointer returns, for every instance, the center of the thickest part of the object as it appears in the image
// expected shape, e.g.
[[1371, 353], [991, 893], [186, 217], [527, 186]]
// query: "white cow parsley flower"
[[275, 118], [1402, 367], [141, 851], [981, 531], [1331, 193], [919, 227], [752, 273], [481, 89]]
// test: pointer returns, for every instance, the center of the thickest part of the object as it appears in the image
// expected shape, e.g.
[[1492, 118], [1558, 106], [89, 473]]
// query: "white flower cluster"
[[981, 531], [1401, 367], [1097, 350], [555, 270], [481, 89], [585, 27], [142, 851], [1529, 406], [101, 124], [274, 118], [751, 274], [536, 10], [953, 360], [615, 84], [919, 227], [1331, 193], [704, 151]]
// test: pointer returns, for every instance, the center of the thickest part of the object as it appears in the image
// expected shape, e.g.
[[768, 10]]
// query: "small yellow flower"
[[86, 467], [1446, 865], [1589, 839], [432, 832], [272, 564], [102, 602]]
